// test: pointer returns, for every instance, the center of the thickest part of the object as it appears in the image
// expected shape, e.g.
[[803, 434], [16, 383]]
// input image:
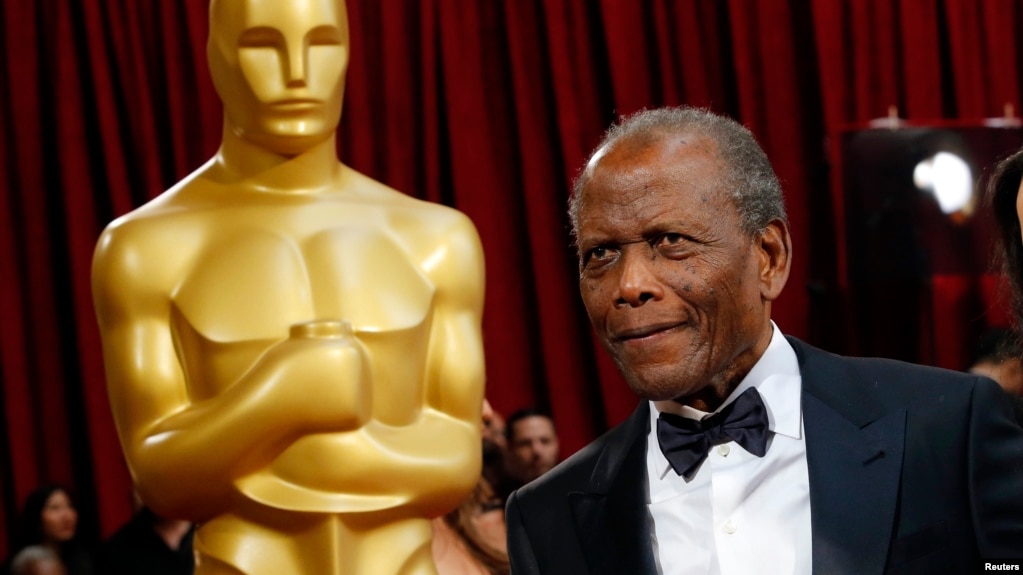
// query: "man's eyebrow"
[[693, 229], [585, 246]]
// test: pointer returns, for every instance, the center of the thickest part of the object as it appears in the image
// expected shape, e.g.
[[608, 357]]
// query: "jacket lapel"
[[611, 516], [854, 455]]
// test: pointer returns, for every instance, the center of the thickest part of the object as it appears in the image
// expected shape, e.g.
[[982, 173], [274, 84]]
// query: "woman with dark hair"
[[472, 539], [1003, 196], [49, 519]]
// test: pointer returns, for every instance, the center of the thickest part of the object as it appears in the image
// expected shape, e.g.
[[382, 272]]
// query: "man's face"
[[671, 283], [533, 450], [279, 68]]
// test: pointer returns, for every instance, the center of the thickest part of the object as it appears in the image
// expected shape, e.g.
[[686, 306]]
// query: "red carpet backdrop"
[[488, 106]]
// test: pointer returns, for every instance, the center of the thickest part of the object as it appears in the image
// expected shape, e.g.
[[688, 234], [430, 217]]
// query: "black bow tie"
[[685, 442]]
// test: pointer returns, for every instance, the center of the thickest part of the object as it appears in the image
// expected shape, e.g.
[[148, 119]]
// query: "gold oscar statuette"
[[293, 350]]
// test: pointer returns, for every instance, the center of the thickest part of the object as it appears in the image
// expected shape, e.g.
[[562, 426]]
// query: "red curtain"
[[487, 106]]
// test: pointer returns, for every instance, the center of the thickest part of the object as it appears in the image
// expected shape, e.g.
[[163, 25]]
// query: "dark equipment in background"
[[915, 275]]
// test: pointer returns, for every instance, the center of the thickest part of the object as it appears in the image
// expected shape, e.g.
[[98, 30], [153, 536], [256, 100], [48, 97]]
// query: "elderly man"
[[752, 452]]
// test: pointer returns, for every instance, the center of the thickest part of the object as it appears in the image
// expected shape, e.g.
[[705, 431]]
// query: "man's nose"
[[637, 282]]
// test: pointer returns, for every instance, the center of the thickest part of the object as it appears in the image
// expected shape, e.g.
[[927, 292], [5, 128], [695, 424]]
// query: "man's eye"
[[670, 239], [598, 256], [672, 245]]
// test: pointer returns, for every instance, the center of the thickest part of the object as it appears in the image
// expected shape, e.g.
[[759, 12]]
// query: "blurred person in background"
[[998, 355], [149, 544], [37, 560], [533, 447], [471, 539], [1003, 195], [49, 519], [495, 447]]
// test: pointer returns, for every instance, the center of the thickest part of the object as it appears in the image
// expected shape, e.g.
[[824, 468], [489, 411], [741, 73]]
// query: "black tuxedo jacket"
[[912, 470]]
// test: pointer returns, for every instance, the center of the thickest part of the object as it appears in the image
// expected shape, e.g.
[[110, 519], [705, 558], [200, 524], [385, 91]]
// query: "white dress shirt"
[[740, 513]]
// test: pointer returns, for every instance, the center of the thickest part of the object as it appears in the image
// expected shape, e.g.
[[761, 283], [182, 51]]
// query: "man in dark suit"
[[753, 452]]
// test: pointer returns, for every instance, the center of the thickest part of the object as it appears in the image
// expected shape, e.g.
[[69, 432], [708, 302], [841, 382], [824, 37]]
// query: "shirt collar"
[[777, 379]]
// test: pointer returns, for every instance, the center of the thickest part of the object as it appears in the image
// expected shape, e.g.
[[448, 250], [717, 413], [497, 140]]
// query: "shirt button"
[[729, 527], [723, 450]]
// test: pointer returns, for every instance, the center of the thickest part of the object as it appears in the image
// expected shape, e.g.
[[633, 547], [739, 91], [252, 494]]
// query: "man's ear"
[[774, 250]]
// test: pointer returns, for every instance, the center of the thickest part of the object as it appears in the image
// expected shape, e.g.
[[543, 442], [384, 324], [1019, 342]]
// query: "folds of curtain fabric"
[[490, 107]]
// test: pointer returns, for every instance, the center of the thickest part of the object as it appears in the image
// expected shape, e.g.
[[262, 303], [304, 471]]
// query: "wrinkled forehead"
[[636, 165], [229, 18]]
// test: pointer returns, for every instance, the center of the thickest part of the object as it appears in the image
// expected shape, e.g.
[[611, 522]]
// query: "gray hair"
[[754, 187], [30, 558]]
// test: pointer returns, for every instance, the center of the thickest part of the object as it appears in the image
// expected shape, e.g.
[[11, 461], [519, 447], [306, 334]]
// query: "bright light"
[[949, 178]]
